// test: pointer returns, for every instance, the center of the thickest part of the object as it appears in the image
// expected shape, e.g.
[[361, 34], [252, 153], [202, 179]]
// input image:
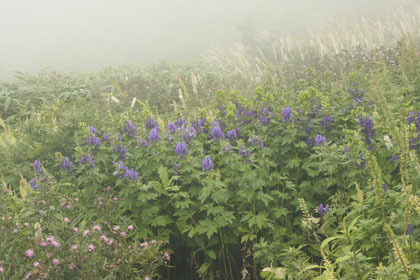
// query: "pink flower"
[[15, 230], [104, 238], [28, 275], [115, 199], [147, 278], [43, 244], [96, 227], [166, 256], [36, 264], [91, 247], [43, 202], [49, 255], [71, 266], [154, 242], [50, 239], [75, 229], [55, 261], [55, 243], [144, 244], [66, 220], [116, 228], [29, 253], [26, 224], [86, 232], [63, 204], [110, 242], [76, 199], [130, 228], [73, 248], [68, 206], [1, 269], [123, 234]]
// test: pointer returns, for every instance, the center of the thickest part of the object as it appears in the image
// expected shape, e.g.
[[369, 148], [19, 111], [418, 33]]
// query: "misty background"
[[84, 35]]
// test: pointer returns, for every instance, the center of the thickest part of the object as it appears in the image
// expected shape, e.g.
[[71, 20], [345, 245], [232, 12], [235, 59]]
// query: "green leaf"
[[211, 254], [163, 175], [7, 103]]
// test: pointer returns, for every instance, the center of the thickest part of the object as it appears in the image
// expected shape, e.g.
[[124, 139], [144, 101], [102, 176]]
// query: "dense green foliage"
[[338, 130]]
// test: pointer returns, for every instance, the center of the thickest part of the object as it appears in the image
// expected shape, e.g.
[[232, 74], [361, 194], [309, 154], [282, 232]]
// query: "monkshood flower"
[[320, 140], [309, 141], [385, 187], [325, 123], [107, 137], [357, 94], [227, 148], [321, 210], [255, 142], [190, 133], [144, 143], [92, 130], [154, 135], [207, 164], [181, 149], [180, 123], [199, 125], [308, 128], [151, 123], [231, 134], [368, 129], [67, 164], [93, 140], [33, 183], [287, 114], [87, 160], [171, 127], [130, 129], [414, 117], [346, 149], [131, 174], [393, 159], [410, 229], [244, 153], [266, 116], [37, 166], [217, 133], [121, 150]]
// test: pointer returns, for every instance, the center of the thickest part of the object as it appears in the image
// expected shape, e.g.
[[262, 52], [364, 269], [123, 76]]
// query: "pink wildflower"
[[73, 248], [71, 266], [116, 228], [1, 269], [76, 199], [104, 238], [75, 229], [55, 261], [144, 244], [66, 220], [29, 253], [154, 242], [36, 264], [43, 202], [115, 199], [96, 227], [26, 224], [110, 242], [43, 244], [68, 206], [28, 275], [63, 204], [123, 234], [86, 232], [55, 243], [130, 228], [15, 230], [91, 247]]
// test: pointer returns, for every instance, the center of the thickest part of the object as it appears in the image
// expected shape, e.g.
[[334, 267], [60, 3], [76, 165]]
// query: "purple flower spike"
[[37, 166], [321, 210], [231, 134], [410, 229], [130, 129], [217, 133], [33, 183], [181, 149], [320, 140], [207, 164], [172, 128], [92, 130], [151, 123], [154, 136], [287, 114]]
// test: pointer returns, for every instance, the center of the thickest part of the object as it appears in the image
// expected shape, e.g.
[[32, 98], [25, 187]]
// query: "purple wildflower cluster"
[[171, 127], [287, 114], [325, 123], [243, 152], [92, 130], [37, 166], [154, 136], [181, 123], [207, 164], [232, 135], [321, 210], [266, 115], [200, 125], [130, 129], [190, 133], [393, 158], [368, 130], [121, 150], [217, 133], [87, 160], [151, 123], [320, 140], [414, 117], [181, 149], [256, 142], [93, 140], [33, 183], [410, 229], [124, 172], [67, 165]]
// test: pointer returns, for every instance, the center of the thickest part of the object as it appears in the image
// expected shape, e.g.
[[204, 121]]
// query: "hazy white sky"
[[87, 34]]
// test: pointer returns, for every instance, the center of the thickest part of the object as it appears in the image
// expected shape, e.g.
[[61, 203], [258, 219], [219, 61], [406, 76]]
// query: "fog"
[[81, 35]]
